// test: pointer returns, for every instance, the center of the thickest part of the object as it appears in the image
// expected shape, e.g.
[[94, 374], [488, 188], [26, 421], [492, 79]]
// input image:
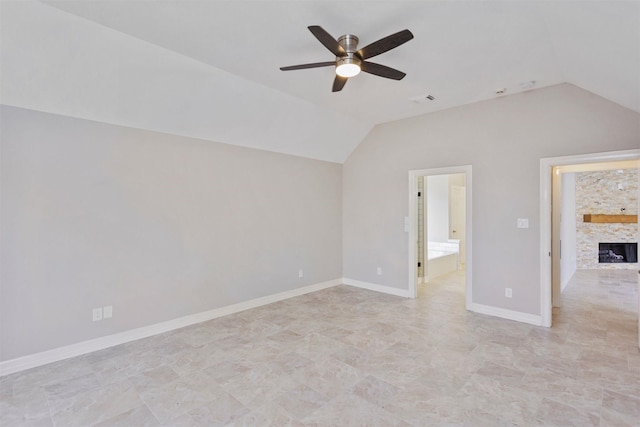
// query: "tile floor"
[[350, 357]]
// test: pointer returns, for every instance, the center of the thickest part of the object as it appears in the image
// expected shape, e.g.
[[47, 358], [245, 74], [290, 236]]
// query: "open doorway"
[[440, 226], [577, 191], [555, 269]]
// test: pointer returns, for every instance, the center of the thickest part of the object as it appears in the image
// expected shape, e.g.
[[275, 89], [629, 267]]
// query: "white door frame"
[[413, 229], [546, 165]]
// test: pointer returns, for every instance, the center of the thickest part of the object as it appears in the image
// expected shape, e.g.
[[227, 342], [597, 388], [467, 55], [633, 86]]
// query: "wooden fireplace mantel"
[[624, 219]]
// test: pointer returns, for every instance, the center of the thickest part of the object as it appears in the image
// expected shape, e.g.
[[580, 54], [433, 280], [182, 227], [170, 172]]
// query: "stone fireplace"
[[606, 192]]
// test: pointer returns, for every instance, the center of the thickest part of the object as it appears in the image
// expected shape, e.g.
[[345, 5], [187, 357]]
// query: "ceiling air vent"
[[423, 99]]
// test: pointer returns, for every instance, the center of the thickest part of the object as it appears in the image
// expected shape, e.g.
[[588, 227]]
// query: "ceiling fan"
[[350, 60]]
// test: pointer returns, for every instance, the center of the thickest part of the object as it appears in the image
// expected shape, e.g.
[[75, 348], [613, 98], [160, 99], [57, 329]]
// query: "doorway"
[[550, 230], [458, 183]]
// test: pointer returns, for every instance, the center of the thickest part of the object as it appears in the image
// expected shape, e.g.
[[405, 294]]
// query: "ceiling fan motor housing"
[[350, 44]]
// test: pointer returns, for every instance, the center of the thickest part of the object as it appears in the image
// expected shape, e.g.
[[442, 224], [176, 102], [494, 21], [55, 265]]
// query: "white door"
[[457, 218], [556, 244]]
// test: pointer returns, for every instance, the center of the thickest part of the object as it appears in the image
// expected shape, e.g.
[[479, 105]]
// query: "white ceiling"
[[210, 69]]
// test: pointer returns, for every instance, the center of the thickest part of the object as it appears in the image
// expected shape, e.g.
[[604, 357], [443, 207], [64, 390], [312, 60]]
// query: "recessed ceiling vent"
[[528, 85], [423, 99]]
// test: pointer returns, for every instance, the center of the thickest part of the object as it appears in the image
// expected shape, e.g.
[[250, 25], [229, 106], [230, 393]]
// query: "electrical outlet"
[[97, 314], [508, 292], [300, 273], [107, 311], [379, 271]]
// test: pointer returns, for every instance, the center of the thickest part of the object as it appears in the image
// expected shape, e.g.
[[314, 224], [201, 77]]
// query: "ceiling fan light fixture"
[[348, 67]]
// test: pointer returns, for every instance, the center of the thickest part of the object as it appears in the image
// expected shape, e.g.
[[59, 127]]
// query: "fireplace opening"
[[617, 252]]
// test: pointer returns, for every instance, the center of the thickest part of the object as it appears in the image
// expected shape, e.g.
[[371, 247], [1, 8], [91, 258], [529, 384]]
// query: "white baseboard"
[[38, 359], [378, 288], [477, 308], [503, 313]]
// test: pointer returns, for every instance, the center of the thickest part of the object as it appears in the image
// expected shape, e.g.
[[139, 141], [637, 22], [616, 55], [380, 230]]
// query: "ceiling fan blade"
[[338, 83], [327, 40], [381, 70], [305, 66], [385, 44]]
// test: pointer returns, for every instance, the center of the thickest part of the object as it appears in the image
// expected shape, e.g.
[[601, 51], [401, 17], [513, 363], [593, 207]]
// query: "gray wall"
[[503, 140], [158, 226]]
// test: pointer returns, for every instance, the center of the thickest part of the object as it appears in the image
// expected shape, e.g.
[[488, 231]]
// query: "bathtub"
[[442, 258]]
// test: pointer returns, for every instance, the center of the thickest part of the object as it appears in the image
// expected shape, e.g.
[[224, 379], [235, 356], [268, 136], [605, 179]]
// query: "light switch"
[[406, 224], [107, 311], [523, 222]]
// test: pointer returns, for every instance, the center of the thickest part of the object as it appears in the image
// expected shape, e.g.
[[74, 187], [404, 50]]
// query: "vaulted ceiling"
[[210, 69]]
